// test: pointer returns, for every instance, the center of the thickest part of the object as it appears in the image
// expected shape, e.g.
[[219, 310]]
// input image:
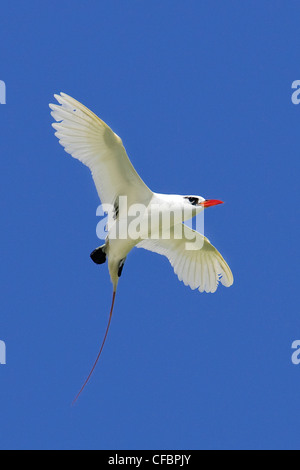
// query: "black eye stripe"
[[193, 200]]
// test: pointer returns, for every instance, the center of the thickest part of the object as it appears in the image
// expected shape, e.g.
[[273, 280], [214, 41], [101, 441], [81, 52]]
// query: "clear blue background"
[[200, 93]]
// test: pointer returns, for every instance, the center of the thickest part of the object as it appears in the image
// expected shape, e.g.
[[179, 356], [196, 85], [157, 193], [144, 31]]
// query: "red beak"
[[210, 202]]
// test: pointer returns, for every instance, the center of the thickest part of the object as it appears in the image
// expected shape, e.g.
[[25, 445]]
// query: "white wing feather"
[[201, 269], [88, 139]]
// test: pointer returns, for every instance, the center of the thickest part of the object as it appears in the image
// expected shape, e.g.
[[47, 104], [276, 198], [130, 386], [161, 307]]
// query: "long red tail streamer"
[[99, 354]]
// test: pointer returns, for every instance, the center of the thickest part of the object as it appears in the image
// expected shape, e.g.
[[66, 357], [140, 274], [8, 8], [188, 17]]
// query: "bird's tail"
[[101, 348]]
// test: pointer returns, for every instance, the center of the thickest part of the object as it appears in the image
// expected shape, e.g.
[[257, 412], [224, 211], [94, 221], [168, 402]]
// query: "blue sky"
[[200, 93]]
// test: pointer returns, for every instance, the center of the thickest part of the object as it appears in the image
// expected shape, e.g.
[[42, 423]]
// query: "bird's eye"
[[193, 200]]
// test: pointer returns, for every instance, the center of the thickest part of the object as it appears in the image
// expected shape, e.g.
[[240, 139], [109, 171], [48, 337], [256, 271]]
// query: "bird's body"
[[153, 223], [136, 215]]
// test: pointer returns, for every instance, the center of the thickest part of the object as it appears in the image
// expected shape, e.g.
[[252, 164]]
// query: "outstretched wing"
[[195, 260], [88, 139]]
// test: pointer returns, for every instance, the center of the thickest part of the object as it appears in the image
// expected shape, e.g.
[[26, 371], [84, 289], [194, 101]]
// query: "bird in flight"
[[195, 260]]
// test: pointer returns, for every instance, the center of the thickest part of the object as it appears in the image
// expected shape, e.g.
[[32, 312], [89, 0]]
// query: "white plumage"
[[88, 139], [200, 269]]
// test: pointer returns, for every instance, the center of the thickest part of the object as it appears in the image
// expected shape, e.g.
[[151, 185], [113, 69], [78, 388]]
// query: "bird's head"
[[199, 202]]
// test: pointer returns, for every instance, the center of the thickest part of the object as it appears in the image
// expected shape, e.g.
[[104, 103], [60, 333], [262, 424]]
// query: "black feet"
[[98, 255], [121, 266]]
